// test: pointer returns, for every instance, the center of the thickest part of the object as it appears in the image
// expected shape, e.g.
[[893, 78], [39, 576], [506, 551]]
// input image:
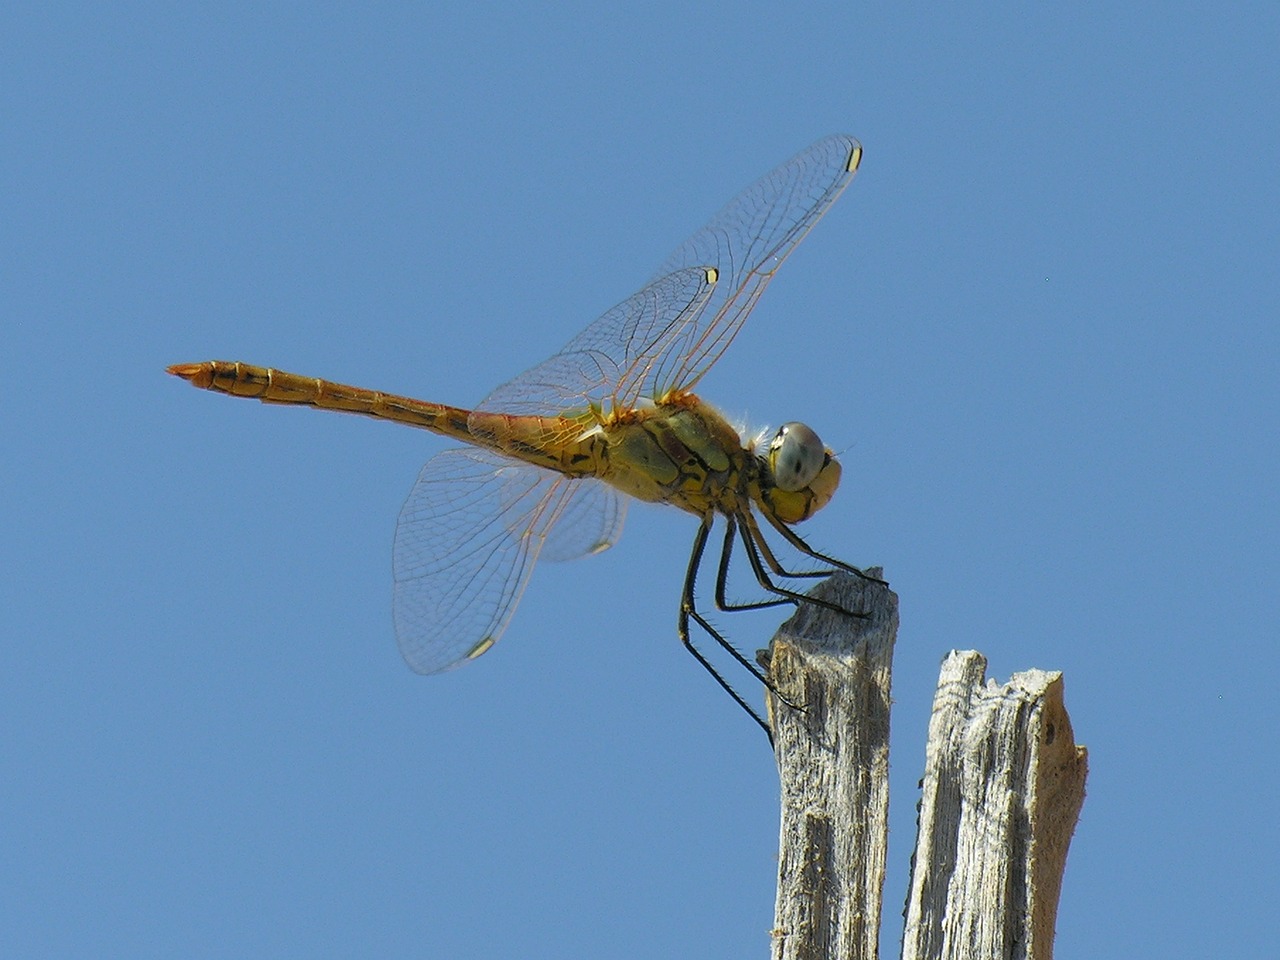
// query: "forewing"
[[467, 540], [746, 242], [609, 363], [665, 336]]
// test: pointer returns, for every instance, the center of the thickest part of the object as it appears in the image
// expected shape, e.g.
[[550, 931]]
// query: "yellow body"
[[679, 451]]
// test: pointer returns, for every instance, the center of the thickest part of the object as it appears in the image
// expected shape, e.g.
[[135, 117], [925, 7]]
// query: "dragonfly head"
[[802, 474]]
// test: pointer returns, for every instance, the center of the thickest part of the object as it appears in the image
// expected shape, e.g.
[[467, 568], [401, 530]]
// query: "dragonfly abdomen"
[[557, 443], [569, 445], [277, 386]]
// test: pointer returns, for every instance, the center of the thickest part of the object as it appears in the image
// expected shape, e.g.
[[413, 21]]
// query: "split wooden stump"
[[1002, 788]]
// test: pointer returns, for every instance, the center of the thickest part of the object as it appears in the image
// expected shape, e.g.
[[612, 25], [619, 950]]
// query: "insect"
[[549, 453]]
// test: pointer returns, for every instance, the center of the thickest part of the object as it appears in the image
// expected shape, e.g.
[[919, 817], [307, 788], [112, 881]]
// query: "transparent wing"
[[746, 242], [668, 334], [467, 540], [589, 521], [611, 362]]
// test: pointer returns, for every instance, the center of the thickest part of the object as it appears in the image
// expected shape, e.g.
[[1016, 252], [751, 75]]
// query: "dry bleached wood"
[[833, 759], [1002, 791], [1003, 786]]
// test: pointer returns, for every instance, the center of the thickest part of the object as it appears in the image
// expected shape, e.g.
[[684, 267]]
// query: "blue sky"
[[1041, 325]]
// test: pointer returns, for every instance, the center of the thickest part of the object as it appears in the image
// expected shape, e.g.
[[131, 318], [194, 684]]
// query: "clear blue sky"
[[1041, 324]]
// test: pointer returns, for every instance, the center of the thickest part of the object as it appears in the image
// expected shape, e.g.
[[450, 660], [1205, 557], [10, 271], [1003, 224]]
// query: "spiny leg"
[[689, 609], [798, 542], [752, 531], [754, 543], [759, 553], [731, 528], [722, 577]]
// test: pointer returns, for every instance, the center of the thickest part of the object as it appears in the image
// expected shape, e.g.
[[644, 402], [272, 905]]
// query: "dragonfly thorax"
[[681, 451]]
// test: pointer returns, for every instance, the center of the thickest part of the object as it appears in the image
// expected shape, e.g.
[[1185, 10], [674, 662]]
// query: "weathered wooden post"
[[1003, 786]]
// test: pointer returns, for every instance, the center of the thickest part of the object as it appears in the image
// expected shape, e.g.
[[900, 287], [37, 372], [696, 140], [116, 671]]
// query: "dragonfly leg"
[[798, 542], [688, 609], [755, 544], [731, 528], [752, 530], [722, 576]]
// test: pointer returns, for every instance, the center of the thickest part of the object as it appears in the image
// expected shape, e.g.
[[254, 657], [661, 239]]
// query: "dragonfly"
[[552, 456]]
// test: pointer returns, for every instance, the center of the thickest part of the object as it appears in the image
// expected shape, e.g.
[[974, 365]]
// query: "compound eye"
[[796, 456]]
